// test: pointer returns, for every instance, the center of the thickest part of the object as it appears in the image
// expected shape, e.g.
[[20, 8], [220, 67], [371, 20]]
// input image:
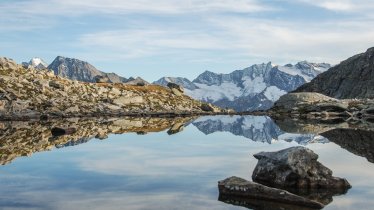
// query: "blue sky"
[[152, 39]]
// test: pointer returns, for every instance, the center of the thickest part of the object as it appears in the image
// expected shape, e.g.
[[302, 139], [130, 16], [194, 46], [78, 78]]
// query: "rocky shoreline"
[[316, 106], [27, 94]]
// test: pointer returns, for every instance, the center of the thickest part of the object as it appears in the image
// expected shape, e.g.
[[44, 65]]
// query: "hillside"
[[352, 78], [30, 93]]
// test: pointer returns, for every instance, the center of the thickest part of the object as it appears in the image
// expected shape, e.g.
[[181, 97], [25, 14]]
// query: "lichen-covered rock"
[[295, 167], [236, 187]]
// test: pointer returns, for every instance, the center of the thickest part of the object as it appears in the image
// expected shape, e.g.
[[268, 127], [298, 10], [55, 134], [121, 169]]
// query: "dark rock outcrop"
[[352, 78], [295, 168], [238, 188]]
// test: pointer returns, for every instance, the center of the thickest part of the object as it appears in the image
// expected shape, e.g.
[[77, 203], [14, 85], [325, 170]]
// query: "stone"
[[57, 131], [175, 86], [101, 79], [56, 84], [176, 128], [208, 108], [73, 109], [295, 168], [128, 100], [236, 187], [176, 92]]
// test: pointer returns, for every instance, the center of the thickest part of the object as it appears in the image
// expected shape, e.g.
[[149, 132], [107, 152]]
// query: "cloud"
[[342, 5], [259, 39]]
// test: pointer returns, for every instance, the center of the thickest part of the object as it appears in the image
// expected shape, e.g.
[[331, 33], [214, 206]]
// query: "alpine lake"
[[161, 163]]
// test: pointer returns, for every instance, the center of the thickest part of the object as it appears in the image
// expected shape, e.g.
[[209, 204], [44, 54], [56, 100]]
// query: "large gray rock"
[[235, 187], [295, 167], [352, 78]]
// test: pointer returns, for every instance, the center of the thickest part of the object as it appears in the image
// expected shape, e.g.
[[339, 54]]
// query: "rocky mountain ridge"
[[34, 94], [79, 70], [352, 78], [254, 88]]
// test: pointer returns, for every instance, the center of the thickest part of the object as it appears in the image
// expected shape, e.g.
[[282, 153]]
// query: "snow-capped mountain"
[[36, 62], [253, 88], [255, 128]]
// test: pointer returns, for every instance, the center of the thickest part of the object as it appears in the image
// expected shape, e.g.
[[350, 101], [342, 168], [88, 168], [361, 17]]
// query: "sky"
[[153, 39]]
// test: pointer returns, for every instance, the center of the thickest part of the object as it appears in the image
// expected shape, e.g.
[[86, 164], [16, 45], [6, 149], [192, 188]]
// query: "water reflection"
[[24, 138], [356, 138], [159, 170], [255, 128]]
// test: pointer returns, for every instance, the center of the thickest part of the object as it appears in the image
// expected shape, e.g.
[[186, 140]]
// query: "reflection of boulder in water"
[[176, 128], [257, 204], [357, 141], [25, 138]]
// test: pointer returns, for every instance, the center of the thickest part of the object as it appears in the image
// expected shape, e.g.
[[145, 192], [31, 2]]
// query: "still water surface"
[[155, 170]]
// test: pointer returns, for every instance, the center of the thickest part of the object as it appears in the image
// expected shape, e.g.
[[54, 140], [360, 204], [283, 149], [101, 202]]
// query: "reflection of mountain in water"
[[25, 138], [256, 128]]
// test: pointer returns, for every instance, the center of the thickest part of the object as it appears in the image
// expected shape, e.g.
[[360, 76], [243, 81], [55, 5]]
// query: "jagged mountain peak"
[[80, 70], [256, 87]]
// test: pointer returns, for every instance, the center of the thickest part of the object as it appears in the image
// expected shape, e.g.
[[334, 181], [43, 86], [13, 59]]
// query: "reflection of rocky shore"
[[24, 138], [356, 138], [356, 141]]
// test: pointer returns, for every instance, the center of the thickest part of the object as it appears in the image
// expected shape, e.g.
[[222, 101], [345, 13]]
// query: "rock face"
[[75, 69], [295, 167], [352, 78], [253, 88], [238, 187], [30, 94]]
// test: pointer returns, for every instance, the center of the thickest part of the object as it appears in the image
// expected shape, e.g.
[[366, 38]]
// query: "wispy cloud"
[[342, 5]]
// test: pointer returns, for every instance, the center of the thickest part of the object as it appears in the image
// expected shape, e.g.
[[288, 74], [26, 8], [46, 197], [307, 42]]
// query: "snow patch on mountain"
[[214, 93], [273, 93], [253, 86]]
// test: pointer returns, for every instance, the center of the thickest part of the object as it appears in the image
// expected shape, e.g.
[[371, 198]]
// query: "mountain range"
[[79, 70], [254, 88]]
